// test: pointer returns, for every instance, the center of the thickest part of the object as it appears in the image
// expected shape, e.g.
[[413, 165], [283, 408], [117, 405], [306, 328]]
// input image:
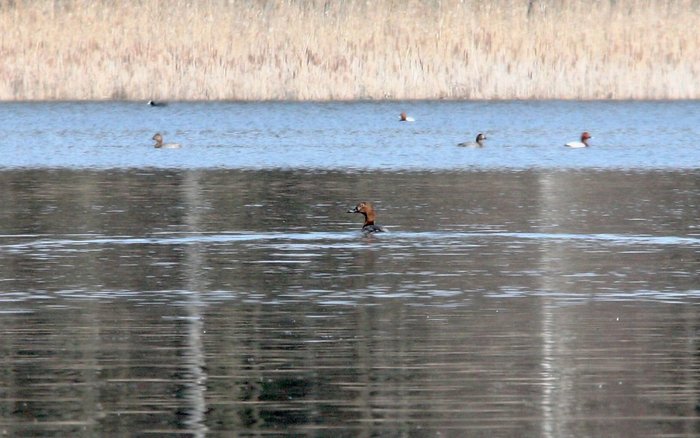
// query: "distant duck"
[[403, 117], [580, 144], [154, 103], [479, 143], [159, 143], [367, 210]]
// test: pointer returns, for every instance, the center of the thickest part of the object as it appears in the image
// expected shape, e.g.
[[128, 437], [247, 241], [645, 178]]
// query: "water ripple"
[[326, 239]]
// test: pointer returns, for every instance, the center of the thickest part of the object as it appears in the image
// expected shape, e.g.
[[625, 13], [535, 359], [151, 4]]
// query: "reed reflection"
[[219, 301]]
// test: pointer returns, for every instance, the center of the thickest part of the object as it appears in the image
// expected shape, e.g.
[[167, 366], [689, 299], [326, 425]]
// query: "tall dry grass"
[[349, 49]]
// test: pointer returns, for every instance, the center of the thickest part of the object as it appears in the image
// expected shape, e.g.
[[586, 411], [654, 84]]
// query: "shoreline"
[[319, 101]]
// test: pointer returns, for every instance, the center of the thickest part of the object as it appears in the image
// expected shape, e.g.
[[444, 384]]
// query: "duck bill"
[[353, 210]]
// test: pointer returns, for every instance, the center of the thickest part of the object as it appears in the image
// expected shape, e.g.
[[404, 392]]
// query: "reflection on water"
[[501, 303]]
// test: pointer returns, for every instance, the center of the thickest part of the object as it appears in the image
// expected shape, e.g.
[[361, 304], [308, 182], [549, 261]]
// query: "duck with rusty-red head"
[[367, 210]]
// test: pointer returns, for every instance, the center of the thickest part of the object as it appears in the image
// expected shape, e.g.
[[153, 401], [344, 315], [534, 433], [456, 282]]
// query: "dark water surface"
[[197, 299]]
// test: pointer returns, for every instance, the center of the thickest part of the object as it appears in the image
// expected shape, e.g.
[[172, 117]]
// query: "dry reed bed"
[[348, 49]]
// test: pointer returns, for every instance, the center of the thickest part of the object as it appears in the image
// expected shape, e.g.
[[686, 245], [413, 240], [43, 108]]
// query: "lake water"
[[524, 289]]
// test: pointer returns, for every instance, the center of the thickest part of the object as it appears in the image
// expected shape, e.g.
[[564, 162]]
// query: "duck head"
[[158, 139], [366, 209], [585, 137]]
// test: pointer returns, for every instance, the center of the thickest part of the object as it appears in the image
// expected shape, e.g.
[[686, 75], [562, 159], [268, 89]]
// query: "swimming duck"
[[475, 144], [580, 144], [403, 117], [367, 211], [159, 143], [154, 103]]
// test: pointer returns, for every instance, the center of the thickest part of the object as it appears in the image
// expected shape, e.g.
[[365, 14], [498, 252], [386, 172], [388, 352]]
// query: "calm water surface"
[[351, 136], [221, 289]]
